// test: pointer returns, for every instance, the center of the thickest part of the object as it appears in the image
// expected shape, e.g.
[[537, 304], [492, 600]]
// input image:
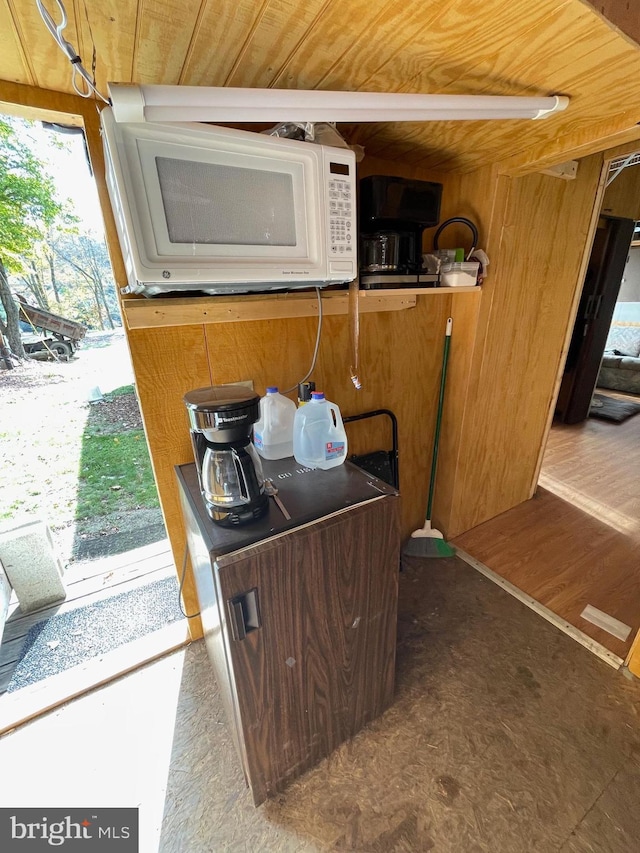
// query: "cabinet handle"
[[244, 614]]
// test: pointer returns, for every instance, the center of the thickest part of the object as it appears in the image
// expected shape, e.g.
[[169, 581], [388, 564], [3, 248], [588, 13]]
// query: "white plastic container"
[[464, 274], [273, 432], [319, 437]]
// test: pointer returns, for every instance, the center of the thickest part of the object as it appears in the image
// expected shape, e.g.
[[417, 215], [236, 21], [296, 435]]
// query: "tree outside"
[[82, 467], [48, 254]]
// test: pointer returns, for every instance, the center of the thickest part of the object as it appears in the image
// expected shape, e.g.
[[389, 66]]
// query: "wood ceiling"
[[533, 47]]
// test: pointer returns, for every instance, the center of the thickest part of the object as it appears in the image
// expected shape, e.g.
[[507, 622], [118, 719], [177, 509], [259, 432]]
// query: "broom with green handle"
[[427, 541]]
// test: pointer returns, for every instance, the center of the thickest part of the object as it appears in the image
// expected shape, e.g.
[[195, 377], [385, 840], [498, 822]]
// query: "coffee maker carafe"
[[229, 469]]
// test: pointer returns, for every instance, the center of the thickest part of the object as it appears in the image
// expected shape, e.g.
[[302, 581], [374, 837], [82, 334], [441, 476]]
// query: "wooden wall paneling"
[[583, 131], [617, 132], [439, 57], [537, 48], [96, 154], [111, 26], [598, 58], [473, 196], [389, 30], [266, 58], [622, 197], [482, 197], [399, 369], [444, 145], [14, 60], [465, 311], [274, 352], [633, 659], [235, 41], [555, 397], [164, 35], [630, 147], [399, 361], [51, 69], [524, 316], [185, 311], [168, 363]]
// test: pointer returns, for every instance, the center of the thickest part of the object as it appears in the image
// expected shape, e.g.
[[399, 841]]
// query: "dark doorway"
[[599, 294]]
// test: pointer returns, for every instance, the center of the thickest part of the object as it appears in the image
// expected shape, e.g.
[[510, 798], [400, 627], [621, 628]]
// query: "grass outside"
[[82, 467], [115, 471]]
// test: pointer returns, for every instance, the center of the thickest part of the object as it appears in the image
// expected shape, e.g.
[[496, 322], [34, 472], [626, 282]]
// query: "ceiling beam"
[[37, 104], [623, 14], [572, 146]]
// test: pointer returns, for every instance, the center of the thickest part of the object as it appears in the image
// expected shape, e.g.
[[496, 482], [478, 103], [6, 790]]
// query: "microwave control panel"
[[342, 209]]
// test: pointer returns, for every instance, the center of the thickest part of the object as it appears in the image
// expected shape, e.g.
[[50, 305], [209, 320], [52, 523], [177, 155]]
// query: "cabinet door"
[[315, 659]]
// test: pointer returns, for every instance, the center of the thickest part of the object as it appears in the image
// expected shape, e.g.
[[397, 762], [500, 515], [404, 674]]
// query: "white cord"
[[69, 51], [317, 347]]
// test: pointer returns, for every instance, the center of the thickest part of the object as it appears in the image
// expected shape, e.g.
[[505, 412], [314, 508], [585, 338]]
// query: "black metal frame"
[[393, 453]]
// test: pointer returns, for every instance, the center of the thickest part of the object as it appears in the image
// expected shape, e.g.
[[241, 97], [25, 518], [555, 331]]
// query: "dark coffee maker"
[[393, 213], [229, 469]]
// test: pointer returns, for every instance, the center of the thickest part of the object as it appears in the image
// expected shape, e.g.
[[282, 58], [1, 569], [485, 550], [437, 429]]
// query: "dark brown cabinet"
[[300, 625]]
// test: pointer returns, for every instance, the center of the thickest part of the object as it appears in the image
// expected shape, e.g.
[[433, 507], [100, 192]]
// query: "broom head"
[[427, 542]]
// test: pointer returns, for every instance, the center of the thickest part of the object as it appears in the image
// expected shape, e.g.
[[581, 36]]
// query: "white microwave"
[[209, 209]]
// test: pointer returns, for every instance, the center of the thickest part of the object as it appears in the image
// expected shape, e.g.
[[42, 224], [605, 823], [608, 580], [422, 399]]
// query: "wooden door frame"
[[571, 319], [632, 661]]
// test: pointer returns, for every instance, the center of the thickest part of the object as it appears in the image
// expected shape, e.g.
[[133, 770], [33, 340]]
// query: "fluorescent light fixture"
[[226, 104]]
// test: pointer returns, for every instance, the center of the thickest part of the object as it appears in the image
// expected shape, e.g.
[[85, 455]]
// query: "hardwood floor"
[[577, 542]]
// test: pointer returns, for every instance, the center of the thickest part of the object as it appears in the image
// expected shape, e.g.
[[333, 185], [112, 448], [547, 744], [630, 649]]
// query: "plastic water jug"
[[273, 432], [319, 438]]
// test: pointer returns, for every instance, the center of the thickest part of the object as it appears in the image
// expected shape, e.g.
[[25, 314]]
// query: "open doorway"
[[73, 447], [571, 551], [591, 332]]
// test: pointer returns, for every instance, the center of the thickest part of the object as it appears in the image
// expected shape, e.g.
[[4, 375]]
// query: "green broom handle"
[[436, 439]]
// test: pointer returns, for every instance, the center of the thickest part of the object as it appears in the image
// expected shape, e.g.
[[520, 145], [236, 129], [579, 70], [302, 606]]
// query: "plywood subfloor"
[[505, 736], [577, 542]]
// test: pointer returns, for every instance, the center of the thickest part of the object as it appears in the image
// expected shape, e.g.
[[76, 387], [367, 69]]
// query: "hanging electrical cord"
[[317, 347], [354, 333], [70, 52]]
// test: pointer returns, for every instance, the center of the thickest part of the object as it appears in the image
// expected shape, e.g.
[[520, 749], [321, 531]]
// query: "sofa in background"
[[620, 368]]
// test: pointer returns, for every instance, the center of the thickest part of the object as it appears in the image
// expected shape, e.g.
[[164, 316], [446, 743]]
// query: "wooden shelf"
[[419, 291], [142, 313]]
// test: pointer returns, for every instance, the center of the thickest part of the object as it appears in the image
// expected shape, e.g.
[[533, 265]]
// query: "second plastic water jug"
[[319, 437], [273, 433]]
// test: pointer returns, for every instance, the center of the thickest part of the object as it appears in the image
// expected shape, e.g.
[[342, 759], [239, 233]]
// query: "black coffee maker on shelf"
[[393, 213], [229, 469]]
